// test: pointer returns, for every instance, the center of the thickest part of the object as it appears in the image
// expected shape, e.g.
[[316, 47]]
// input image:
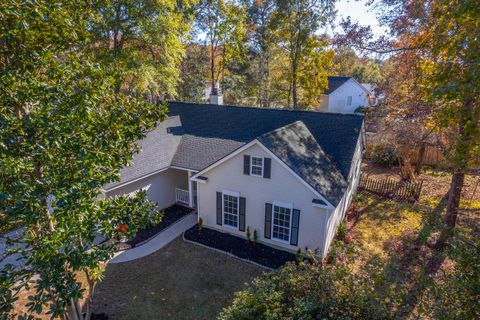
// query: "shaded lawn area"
[[395, 244], [180, 281]]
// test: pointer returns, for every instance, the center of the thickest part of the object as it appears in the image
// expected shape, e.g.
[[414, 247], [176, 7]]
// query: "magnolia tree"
[[65, 132]]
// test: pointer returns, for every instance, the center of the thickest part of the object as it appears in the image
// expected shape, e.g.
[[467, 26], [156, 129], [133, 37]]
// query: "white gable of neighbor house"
[[339, 101], [283, 186]]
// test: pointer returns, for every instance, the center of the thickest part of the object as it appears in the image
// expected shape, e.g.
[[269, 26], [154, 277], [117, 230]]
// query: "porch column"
[[190, 189]]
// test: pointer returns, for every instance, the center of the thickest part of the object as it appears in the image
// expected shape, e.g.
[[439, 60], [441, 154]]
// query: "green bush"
[[305, 291], [384, 154], [341, 230]]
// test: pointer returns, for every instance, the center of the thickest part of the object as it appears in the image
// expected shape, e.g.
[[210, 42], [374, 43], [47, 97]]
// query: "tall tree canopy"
[[223, 24], [434, 45], [66, 131], [144, 41], [297, 25]]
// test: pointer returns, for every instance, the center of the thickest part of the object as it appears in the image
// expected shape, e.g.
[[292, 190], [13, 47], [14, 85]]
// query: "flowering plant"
[[122, 228]]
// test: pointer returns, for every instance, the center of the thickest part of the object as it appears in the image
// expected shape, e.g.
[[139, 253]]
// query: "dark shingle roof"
[[334, 82], [203, 134], [295, 145], [157, 151]]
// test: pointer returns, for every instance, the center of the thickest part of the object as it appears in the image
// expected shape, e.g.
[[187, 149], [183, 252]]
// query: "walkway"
[[158, 242]]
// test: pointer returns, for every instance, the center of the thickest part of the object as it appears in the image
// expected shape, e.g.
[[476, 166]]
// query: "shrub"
[[341, 230], [200, 225], [249, 237], [157, 217], [255, 236], [298, 255], [384, 154], [306, 291]]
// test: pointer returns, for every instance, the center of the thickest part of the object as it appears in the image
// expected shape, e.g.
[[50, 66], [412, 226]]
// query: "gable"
[[229, 173], [295, 146], [279, 170]]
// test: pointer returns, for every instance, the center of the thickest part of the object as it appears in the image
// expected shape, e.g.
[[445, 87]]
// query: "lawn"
[[181, 281], [394, 243]]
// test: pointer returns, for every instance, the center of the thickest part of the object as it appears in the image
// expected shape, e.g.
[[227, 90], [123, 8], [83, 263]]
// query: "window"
[[230, 209], [349, 100], [281, 223], [256, 166]]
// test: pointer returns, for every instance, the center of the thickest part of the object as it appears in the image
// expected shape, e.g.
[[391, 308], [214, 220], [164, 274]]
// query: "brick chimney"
[[216, 96]]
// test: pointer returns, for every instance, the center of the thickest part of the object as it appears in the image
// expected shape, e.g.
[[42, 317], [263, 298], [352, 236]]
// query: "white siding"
[[337, 215], [283, 186], [337, 100], [160, 187], [323, 103]]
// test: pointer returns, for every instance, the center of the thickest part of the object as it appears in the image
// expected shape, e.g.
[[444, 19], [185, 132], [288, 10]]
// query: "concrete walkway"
[[163, 238]]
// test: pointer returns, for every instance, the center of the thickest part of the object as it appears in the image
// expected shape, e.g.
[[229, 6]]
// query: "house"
[[376, 96], [290, 175], [344, 95]]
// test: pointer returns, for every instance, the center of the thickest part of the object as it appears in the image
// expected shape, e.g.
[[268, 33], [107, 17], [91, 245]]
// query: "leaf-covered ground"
[[395, 242]]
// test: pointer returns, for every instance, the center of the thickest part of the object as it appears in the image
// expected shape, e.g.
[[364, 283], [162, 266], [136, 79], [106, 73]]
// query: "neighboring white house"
[[344, 95], [290, 175]]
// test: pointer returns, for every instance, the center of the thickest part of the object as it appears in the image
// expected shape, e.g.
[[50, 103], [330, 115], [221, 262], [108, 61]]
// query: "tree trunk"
[[461, 160], [405, 161], [212, 68], [74, 311], [456, 187], [294, 85], [89, 300], [421, 156]]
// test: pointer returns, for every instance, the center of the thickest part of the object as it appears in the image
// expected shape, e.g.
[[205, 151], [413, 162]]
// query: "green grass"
[[180, 281], [383, 221]]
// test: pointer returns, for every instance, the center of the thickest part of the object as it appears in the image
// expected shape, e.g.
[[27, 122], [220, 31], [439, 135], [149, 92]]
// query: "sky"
[[359, 12]]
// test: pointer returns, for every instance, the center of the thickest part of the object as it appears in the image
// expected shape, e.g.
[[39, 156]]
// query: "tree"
[[297, 23], [363, 69], [260, 17], [437, 43], [144, 41], [65, 133], [222, 22], [193, 73]]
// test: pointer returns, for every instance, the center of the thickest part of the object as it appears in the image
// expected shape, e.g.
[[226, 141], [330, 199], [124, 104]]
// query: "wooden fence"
[[387, 187], [431, 157]]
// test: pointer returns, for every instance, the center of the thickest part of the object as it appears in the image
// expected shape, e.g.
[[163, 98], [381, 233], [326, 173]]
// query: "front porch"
[[187, 196]]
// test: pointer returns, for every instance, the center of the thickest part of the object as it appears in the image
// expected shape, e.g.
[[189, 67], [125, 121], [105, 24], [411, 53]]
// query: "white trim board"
[[136, 179], [123, 184]]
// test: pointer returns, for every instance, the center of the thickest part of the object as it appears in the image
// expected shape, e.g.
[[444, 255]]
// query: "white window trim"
[[251, 166], [285, 205], [233, 194]]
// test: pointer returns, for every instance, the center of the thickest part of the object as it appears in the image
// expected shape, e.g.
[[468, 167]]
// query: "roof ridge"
[[285, 127], [328, 114]]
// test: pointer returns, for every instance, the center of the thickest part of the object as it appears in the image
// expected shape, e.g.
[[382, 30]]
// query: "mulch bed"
[[171, 215], [259, 253]]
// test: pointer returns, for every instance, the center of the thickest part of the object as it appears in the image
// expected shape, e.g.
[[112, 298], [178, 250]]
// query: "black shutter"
[[219, 208], [267, 167], [268, 221], [246, 164], [241, 216], [295, 226]]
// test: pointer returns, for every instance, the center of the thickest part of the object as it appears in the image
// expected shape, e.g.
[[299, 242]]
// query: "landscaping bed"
[[171, 215], [239, 247]]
